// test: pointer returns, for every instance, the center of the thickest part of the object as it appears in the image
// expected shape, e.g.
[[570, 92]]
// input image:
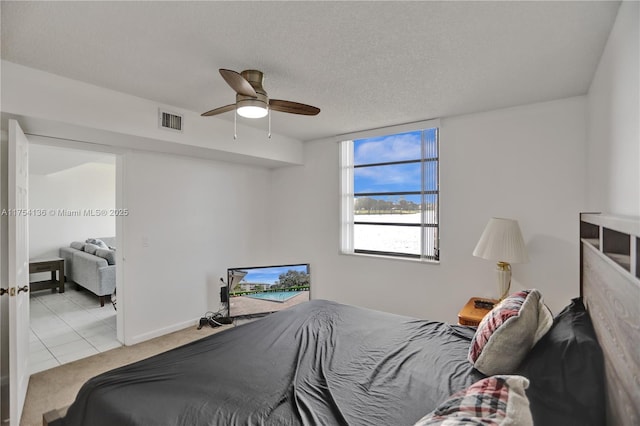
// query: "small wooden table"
[[470, 315], [52, 265]]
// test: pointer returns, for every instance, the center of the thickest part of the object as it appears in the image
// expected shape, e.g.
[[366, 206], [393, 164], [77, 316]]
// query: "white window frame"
[[346, 153]]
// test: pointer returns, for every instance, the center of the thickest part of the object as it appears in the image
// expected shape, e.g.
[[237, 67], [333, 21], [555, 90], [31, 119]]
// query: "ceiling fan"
[[252, 100]]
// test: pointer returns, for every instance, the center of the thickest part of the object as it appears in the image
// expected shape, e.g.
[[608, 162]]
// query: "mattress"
[[318, 363]]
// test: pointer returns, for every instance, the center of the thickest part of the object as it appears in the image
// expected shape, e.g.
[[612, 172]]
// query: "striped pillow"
[[497, 400], [507, 333]]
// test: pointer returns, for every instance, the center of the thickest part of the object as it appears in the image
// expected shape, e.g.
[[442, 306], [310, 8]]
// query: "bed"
[[324, 363]]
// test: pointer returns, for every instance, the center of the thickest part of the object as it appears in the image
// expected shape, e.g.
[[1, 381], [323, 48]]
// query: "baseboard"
[[160, 332], [54, 417]]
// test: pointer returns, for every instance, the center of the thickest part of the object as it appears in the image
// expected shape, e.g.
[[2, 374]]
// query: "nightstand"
[[470, 315]]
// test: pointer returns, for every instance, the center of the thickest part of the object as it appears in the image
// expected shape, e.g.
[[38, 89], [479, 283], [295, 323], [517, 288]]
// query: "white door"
[[18, 268]]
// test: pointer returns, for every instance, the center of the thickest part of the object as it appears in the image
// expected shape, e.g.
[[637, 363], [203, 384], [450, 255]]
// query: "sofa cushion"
[[78, 245], [95, 241], [108, 255], [91, 248], [93, 273]]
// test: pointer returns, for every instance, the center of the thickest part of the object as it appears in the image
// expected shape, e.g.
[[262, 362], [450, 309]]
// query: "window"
[[390, 194]]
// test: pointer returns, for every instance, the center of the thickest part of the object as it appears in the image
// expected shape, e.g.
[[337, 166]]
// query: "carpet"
[[57, 387]]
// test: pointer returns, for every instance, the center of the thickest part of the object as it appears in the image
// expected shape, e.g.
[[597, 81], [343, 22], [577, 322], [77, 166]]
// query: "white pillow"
[[508, 332], [497, 400], [101, 244]]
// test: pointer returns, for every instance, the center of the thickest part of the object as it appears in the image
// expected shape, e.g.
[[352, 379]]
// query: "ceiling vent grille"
[[170, 121]]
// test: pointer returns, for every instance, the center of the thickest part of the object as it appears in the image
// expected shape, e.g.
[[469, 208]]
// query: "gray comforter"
[[318, 363]]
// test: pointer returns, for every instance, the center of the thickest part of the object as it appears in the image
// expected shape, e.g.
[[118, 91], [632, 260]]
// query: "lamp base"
[[503, 272]]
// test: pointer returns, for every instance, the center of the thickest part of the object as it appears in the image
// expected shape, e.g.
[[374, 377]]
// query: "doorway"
[[74, 193]]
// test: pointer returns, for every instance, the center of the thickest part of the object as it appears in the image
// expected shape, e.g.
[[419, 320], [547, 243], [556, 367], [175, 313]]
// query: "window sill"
[[396, 258]]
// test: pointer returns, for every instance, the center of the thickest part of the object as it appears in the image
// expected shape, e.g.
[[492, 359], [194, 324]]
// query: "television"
[[259, 290]]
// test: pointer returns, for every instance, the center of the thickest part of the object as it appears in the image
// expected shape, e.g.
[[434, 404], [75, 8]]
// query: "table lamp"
[[502, 241]]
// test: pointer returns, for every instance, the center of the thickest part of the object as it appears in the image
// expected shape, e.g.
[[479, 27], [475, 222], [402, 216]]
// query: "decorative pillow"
[[108, 255], [96, 242], [78, 245], [566, 370], [90, 248], [508, 332], [497, 400]]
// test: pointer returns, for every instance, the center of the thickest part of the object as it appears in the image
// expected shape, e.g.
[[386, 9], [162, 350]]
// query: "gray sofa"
[[90, 267]]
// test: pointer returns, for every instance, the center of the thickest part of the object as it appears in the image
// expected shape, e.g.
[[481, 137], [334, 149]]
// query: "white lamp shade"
[[502, 241]]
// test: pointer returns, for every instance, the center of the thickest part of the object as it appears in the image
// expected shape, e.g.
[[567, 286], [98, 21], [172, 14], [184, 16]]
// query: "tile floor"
[[68, 326]]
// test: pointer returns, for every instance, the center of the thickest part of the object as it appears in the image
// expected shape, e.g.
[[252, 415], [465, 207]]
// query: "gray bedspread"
[[318, 363]]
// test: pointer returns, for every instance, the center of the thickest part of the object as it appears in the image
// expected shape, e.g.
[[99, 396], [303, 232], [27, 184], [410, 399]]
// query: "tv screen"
[[259, 290]]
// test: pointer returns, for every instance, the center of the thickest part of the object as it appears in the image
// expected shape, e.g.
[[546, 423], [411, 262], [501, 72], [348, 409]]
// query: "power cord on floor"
[[214, 319]]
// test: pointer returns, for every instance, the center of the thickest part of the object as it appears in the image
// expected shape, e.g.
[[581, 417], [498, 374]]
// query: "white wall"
[[614, 120], [197, 216], [47, 104], [189, 220], [526, 163], [88, 186]]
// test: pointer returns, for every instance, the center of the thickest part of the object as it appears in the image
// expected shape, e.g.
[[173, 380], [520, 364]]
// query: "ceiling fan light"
[[252, 111], [251, 108]]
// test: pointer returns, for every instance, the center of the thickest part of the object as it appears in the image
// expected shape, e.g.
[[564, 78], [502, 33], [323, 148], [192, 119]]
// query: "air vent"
[[170, 121]]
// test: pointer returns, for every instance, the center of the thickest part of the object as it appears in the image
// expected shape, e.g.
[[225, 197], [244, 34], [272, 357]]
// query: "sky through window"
[[397, 177]]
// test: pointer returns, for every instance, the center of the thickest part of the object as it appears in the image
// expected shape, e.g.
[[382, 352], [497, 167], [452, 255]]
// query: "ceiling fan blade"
[[219, 110], [293, 107], [238, 83]]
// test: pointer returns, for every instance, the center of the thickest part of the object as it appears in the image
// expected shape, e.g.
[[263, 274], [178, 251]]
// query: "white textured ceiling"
[[365, 64]]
